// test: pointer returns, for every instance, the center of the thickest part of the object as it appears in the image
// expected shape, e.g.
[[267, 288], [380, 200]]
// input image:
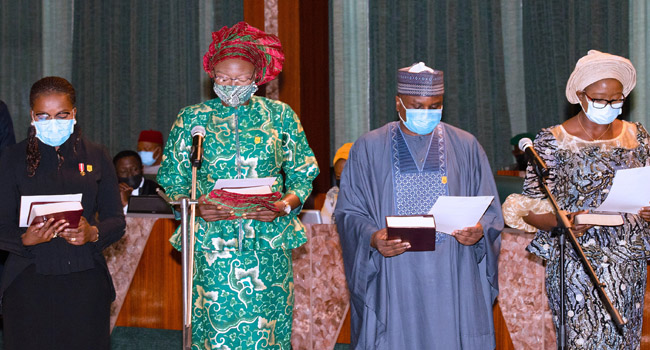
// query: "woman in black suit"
[[56, 288]]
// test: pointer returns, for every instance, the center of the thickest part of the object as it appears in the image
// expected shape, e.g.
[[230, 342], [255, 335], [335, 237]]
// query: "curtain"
[[513, 60], [556, 34], [460, 37], [640, 56], [58, 26], [20, 57], [349, 66], [137, 63]]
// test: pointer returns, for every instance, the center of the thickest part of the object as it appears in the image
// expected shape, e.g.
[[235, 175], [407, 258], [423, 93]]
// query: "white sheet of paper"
[[242, 183], [26, 203], [455, 212], [630, 191]]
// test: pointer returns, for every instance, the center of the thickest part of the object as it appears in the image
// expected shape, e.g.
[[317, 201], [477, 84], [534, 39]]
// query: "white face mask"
[[602, 116]]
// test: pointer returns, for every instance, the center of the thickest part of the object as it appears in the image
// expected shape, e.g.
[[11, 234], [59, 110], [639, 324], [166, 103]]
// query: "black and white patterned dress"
[[581, 174]]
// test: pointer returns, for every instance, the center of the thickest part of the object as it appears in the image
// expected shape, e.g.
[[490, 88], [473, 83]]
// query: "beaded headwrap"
[[420, 80], [250, 44]]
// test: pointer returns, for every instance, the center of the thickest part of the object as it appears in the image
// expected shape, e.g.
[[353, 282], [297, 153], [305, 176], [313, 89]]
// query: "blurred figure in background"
[[128, 167], [327, 211], [150, 149]]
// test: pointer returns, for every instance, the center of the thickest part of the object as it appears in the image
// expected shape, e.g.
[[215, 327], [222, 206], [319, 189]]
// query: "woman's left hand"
[[81, 235], [266, 215], [644, 213]]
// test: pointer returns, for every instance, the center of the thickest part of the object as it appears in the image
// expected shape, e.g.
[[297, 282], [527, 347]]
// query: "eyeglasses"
[[224, 79], [600, 103], [44, 116]]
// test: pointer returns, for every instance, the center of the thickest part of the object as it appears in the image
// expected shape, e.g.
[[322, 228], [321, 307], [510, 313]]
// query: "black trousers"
[[57, 311]]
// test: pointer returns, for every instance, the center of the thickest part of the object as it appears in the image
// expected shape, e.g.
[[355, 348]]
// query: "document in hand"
[[630, 191], [419, 230], [68, 211], [455, 213], [26, 203]]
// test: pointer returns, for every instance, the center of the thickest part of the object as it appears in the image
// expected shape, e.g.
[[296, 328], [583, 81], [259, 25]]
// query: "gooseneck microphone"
[[196, 155], [540, 167]]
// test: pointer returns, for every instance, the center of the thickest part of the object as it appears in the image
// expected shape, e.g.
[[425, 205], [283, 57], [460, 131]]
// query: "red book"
[[69, 211]]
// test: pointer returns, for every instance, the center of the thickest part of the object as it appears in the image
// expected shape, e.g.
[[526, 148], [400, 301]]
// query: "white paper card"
[[630, 191], [26, 203], [454, 212], [410, 221], [243, 183]]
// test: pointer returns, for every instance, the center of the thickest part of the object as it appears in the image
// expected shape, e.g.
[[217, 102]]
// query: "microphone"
[[196, 155], [526, 145]]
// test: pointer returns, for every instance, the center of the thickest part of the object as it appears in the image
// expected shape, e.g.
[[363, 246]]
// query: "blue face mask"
[[234, 95], [54, 132], [147, 158], [421, 121], [602, 116]]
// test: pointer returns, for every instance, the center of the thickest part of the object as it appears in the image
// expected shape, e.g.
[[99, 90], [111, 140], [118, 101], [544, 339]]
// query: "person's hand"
[[81, 235], [644, 213], [42, 232], [125, 193], [578, 230], [379, 240], [211, 212], [266, 215], [469, 235]]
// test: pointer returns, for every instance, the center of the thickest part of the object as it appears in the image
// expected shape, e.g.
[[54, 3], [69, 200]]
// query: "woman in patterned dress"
[[243, 279], [582, 155]]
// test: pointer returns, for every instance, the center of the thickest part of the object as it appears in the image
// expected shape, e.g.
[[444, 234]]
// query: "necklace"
[[588, 134]]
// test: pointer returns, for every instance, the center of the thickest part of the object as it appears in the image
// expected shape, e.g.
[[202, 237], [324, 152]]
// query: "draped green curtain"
[[556, 34], [136, 63], [460, 37], [20, 57], [349, 66], [640, 57]]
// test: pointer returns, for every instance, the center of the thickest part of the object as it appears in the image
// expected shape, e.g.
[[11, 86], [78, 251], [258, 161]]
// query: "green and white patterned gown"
[[243, 278]]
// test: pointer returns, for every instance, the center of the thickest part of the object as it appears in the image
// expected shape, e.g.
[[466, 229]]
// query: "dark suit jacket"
[[149, 188]]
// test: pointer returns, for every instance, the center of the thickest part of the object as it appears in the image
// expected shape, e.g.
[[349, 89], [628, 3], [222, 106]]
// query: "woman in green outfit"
[[243, 278]]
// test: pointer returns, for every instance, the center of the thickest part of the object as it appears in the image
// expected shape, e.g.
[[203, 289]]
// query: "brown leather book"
[[418, 230], [69, 211]]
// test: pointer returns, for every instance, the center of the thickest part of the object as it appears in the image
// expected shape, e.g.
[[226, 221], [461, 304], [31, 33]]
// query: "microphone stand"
[[563, 231], [188, 209]]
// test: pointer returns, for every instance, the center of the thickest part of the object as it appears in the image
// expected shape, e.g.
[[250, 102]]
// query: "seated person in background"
[[327, 211], [150, 146], [128, 167], [519, 167]]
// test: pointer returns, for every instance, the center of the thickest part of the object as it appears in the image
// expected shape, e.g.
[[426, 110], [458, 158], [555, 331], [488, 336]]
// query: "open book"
[[599, 219], [418, 230], [68, 211]]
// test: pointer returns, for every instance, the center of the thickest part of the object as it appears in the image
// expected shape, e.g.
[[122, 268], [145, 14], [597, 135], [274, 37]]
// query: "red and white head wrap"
[[250, 44]]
